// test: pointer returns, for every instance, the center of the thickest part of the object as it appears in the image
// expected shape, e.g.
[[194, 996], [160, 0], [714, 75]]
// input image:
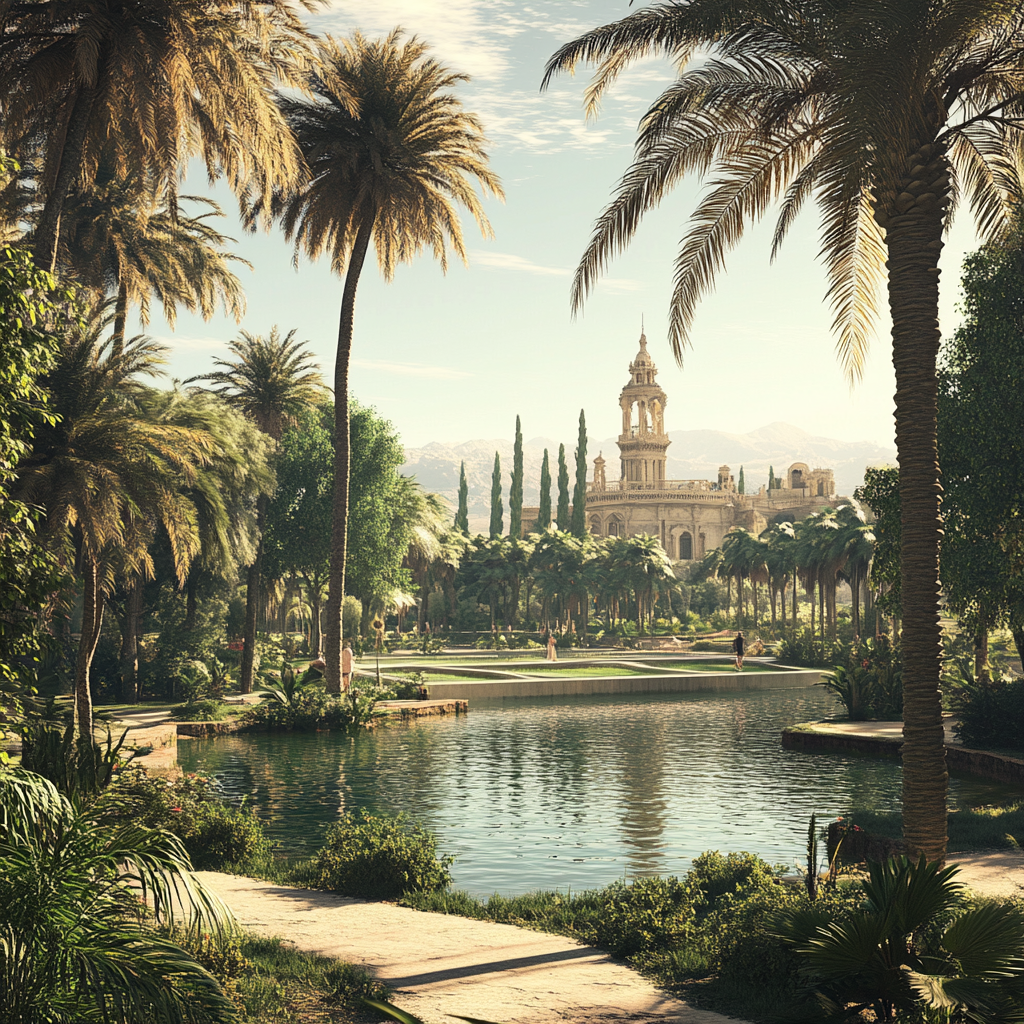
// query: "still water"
[[576, 792]]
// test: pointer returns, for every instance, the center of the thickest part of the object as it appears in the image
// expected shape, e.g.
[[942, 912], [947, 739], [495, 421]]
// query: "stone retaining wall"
[[958, 759]]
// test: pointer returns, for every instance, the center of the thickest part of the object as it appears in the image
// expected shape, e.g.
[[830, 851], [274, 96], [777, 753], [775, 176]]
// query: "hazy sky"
[[456, 357]]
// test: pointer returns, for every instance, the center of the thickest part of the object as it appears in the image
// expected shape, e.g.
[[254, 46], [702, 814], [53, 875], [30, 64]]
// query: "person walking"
[[552, 654], [737, 646]]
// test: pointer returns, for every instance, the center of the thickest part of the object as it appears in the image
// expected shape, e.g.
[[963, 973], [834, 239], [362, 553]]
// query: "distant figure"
[[346, 666], [737, 646], [552, 654]]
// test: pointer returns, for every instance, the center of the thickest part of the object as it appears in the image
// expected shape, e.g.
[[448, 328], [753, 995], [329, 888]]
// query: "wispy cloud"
[[503, 44], [179, 343], [412, 369], [509, 261]]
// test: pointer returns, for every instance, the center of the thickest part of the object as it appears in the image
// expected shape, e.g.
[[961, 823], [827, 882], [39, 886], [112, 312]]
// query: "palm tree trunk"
[[342, 459], [130, 641], [48, 228], [796, 600], [855, 593], [914, 241], [92, 622], [315, 636]]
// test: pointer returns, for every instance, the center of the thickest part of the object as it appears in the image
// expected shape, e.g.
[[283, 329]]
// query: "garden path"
[[437, 965]]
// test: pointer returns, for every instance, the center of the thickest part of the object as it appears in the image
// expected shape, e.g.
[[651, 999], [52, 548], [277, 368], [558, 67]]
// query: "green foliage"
[[311, 708], [881, 493], [990, 712], [544, 510], [179, 665], [379, 857], [207, 709], [515, 493], [462, 515], [496, 528], [31, 311], [914, 946], [578, 525], [562, 521], [76, 944], [216, 836], [646, 916], [77, 767], [981, 441], [868, 678]]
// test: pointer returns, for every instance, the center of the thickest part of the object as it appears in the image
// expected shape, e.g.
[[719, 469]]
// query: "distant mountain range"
[[694, 455]]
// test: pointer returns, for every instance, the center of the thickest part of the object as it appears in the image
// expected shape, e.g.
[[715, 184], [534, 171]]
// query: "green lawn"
[[717, 666]]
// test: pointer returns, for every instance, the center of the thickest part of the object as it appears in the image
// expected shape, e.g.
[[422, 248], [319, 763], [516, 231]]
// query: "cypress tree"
[[497, 509], [515, 493], [741, 485], [771, 478], [462, 516], [544, 513], [579, 494], [562, 515]]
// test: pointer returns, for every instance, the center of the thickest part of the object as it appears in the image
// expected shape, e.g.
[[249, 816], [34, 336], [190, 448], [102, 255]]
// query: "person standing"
[[346, 666], [737, 646], [552, 654]]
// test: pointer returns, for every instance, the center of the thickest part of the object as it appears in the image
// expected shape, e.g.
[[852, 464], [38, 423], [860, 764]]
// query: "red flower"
[[175, 808]]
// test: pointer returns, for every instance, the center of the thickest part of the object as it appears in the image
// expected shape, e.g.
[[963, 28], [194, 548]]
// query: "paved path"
[[438, 965], [994, 873]]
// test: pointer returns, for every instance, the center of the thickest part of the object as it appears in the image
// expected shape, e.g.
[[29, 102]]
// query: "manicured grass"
[[586, 670], [979, 828], [717, 666]]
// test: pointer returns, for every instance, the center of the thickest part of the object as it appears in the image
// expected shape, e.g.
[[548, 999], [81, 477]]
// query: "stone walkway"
[[438, 965]]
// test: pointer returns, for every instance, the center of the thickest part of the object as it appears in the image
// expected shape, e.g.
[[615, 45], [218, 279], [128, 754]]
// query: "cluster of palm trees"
[[820, 551], [565, 578], [105, 107]]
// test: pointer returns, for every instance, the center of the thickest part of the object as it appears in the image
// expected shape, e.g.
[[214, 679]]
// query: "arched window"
[[615, 528], [821, 488], [595, 526], [798, 479], [685, 547]]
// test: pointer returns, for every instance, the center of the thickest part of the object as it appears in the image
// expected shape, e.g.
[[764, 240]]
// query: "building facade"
[[691, 517]]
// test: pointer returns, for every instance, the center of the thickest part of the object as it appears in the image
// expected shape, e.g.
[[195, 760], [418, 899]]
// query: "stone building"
[[690, 516]]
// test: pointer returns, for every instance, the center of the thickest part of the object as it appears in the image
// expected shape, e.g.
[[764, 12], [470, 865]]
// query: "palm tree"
[[390, 155], [779, 562], [885, 115], [271, 380], [107, 475], [73, 950], [150, 86], [116, 238]]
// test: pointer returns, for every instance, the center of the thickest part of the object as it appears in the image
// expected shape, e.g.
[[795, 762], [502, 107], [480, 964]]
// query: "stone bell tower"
[[643, 441]]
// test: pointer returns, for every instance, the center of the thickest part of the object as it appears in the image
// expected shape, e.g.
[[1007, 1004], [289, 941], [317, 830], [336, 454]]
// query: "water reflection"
[[546, 793]]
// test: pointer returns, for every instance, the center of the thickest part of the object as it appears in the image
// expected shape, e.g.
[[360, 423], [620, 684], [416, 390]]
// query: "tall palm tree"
[[272, 380], [390, 155], [151, 85], [107, 475], [886, 115], [117, 238]]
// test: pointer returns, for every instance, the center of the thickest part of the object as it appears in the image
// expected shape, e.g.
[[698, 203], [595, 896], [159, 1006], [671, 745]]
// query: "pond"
[[570, 792]]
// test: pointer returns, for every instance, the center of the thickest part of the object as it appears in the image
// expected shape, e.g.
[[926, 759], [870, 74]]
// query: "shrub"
[[715, 875], [991, 714], [178, 667], [312, 708], [649, 914], [379, 857], [215, 834], [200, 711]]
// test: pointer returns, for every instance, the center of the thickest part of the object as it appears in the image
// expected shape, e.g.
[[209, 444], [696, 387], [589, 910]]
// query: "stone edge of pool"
[[590, 686], [825, 737]]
